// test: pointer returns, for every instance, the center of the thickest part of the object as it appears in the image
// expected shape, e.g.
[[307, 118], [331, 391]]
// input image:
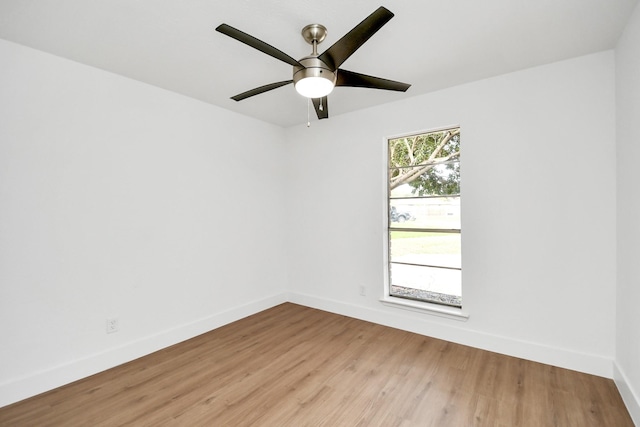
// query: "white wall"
[[538, 215], [628, 210], [121, 199]]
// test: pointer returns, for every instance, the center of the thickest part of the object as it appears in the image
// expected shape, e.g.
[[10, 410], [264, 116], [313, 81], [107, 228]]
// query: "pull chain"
[[321, 108], [308, 112]]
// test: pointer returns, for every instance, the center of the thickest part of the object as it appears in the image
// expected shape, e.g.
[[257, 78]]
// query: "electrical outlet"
[[112, 325], [363, 290]]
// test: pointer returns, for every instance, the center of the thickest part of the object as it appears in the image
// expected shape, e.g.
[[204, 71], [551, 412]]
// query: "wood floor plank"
[[296, 366]]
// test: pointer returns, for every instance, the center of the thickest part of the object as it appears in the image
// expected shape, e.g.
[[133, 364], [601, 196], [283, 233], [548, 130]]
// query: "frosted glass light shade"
[[314, 87]]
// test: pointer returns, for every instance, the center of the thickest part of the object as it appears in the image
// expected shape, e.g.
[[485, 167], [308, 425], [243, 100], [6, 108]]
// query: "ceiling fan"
[[316, 75]]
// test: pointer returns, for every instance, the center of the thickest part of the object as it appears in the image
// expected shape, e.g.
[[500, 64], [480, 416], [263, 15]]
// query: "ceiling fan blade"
[[322, 108], [256, 44], [349, 78], [350, 42], [259, 90]]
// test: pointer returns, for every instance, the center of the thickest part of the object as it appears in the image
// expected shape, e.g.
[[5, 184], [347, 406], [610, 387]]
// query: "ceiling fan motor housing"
[[313, 67]]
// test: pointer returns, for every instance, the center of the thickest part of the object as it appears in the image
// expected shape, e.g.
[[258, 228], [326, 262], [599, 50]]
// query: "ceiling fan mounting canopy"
[[316, 75], [314, 33]]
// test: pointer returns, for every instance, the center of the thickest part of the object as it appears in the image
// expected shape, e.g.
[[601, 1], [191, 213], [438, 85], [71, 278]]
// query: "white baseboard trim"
[[401, 319], [629, 396], [40, 382]]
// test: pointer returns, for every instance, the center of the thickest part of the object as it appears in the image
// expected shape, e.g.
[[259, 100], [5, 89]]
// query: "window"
[[424, 217]]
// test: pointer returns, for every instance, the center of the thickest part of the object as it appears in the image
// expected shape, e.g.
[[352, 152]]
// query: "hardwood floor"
[[296, 366]]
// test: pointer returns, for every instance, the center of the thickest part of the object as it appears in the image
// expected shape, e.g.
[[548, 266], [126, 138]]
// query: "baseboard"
[[39, 382], [630, 397], [400, 319]]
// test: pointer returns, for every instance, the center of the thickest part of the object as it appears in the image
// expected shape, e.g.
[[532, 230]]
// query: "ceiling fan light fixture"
[[314, 87], [313, 79]]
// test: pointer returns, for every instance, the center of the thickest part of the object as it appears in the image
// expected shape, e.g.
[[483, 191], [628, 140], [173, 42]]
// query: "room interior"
[[132, 187]]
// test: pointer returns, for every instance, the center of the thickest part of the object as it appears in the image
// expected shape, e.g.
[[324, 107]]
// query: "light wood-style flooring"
[[297, 366]]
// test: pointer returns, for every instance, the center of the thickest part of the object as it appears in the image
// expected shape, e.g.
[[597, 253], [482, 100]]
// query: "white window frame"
[[456, 313]]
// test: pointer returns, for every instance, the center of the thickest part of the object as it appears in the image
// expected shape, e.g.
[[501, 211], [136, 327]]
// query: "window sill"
[[425, 307]]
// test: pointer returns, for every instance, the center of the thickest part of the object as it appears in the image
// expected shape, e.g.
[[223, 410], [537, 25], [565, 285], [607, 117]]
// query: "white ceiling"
[[431, 44]]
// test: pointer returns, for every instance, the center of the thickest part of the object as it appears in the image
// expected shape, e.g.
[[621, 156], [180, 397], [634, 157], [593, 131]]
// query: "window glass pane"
[[423, 248], [426, 283], [427, 212], [424, 217], [427, 180]]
